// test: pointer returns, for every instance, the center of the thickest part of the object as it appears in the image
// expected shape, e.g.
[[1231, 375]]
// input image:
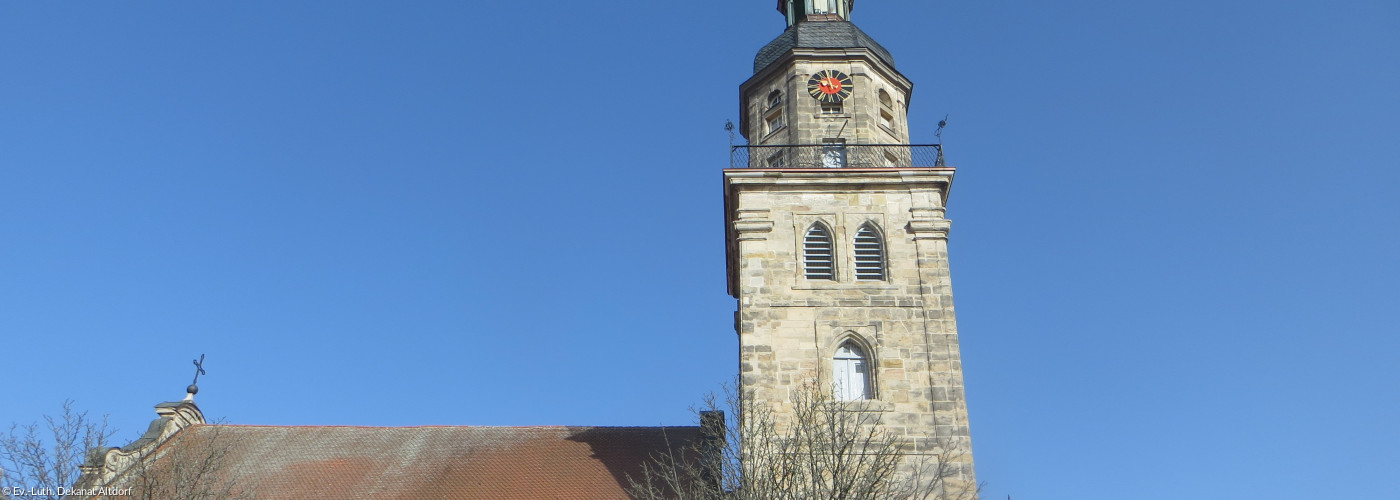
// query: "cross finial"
[[198, 370]]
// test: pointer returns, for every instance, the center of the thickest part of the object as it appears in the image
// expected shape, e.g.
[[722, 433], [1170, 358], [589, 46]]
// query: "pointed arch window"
[[850, 373], [817, 253], [869, 253]]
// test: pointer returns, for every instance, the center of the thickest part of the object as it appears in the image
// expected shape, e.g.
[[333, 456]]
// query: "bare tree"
[[192, 465], [171, 462], [823, 449], [41, 461]]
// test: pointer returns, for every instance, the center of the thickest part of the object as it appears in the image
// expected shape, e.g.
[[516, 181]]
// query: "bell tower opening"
[[798, 11]]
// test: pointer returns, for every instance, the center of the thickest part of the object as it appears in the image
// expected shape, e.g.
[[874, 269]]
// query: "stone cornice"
[[826, 179], [865, 55], [896, 301], [928, 223], [753, 225]]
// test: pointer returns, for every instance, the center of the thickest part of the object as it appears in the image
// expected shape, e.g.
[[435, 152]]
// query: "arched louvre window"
[[870, 254], [850, 373], [817, 254]]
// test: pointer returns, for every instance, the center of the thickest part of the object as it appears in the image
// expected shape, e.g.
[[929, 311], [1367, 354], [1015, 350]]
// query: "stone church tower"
[[836, 238]]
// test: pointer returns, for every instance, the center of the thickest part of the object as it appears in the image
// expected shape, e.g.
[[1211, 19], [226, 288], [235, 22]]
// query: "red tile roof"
[[390, 463]]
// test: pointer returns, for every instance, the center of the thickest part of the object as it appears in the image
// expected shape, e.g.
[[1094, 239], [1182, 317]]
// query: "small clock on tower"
[[830, 86]]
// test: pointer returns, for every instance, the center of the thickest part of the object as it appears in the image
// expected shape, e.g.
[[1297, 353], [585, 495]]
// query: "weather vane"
[[729, 127], [198, 370], [938, 162]]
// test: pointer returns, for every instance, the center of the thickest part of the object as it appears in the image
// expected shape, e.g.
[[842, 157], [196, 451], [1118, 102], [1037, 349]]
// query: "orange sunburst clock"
[[830, 86]]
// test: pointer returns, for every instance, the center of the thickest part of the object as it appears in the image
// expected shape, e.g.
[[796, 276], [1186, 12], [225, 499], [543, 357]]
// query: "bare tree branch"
[[191, 465], [821, 449], [39, 462], [42, 462]]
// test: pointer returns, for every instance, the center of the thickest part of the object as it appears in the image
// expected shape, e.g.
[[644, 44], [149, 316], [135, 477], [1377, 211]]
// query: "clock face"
[[829, 85]]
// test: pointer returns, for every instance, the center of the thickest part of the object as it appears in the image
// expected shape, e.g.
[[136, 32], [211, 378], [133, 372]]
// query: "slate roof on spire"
[[819, 35]]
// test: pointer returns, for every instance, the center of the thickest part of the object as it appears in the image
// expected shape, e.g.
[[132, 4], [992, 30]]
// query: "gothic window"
[[773, 114], [817, 254], [850, 373], [869, 253], [886, 110]]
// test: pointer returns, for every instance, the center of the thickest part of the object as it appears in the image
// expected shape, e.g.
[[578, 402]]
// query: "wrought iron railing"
[[836, 156]]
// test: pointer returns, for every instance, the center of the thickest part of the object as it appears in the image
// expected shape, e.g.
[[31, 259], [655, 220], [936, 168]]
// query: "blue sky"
[[1174, 248]]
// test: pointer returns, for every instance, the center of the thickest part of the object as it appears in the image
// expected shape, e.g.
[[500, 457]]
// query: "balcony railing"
[[836, 156]]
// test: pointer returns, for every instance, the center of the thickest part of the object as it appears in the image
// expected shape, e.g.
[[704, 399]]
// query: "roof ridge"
[[335, 426]]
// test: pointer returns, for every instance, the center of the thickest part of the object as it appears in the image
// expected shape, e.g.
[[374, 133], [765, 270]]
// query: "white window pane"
[[850, 374], [859, 380], [839, 378]]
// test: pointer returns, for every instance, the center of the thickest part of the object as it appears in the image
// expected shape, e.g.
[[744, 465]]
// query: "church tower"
[[837, 245]]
